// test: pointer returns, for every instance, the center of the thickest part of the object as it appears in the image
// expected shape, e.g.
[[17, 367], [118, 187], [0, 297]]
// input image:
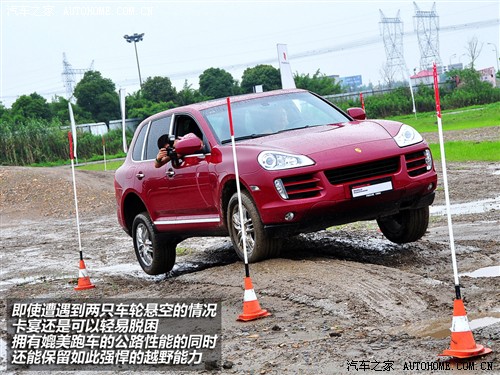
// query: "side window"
[[139, 143], [156, 129], [186, 124]]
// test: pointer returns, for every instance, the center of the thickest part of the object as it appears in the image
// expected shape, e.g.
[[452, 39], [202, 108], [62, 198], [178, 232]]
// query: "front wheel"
[[406, 226], [155, 253], [259, 245]]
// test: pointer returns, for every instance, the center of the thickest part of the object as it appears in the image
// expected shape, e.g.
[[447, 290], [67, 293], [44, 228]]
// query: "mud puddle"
[[493, 271], [477, 207], [440, 328]]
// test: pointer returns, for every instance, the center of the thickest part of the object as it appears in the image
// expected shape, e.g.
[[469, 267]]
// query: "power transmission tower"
[[426, 24], [391, 29], [69, 76]]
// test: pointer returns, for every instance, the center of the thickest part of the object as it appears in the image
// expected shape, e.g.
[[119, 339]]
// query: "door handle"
[[170, 172], [140, 175]]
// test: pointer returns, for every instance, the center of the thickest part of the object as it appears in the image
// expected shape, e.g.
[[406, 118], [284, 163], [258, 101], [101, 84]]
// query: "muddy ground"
[[336, 296]]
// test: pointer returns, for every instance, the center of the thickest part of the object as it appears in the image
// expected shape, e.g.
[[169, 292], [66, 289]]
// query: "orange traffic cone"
[[83, 278], [251, 307], [462, 342]]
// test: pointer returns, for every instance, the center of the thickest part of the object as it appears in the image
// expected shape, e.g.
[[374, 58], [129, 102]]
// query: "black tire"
[[406, 226], [259, 245], [155, 253]]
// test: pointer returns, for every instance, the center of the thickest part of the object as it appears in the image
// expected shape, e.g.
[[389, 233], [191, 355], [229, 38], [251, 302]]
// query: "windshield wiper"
[[243, 137]]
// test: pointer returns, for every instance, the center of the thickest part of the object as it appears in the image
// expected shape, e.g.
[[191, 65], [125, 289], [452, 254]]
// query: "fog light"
[[280, 188], [289, 216], [430, 187]]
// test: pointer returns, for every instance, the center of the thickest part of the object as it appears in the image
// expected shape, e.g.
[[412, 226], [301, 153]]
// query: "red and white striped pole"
[[362, 101], [72, 157], [251, 306], [462, 343], [83, 277], [238, 188], [445, 181]]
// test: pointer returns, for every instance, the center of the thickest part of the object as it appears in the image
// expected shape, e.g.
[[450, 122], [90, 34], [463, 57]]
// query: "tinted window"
[[137, 152], [186, 124], [272, 114], [157, 129]]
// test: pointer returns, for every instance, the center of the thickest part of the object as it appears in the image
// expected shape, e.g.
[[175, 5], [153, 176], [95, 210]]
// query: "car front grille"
[[361, 171], [415, 163], [303, 186]]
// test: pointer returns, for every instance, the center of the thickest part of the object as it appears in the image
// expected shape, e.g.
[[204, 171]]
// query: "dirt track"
[[336, 296]]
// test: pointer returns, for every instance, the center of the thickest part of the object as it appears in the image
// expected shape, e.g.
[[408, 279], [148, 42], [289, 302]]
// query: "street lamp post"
[[135, 38], [454, 55], [496, 54]]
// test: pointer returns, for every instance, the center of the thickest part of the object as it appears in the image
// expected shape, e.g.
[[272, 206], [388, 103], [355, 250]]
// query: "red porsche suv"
[[304, 165]]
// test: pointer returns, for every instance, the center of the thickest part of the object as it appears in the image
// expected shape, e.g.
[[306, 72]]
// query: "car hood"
[[317, 139]]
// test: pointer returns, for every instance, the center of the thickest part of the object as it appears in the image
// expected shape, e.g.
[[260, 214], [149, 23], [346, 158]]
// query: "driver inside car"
[[165, 150]]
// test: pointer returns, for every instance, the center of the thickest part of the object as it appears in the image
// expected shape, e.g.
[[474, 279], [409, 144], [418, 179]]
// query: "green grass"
[[110, 166], [456, 119], [461, 151]]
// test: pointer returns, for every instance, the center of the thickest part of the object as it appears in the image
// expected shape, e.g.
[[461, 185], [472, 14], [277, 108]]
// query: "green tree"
[[158, 89], [217, 83], [265, 75], [31, 106], [470, 90], [319, 83], [97, 96], [188, 95], [59, 109], [139, 107], [4, 112]]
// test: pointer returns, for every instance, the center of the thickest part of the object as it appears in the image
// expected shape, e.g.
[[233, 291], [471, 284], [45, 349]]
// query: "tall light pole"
[[135, 38], [454, 55], [496, 54]]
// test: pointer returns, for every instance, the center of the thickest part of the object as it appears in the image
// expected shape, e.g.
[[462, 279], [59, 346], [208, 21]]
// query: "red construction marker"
[[71, 154]]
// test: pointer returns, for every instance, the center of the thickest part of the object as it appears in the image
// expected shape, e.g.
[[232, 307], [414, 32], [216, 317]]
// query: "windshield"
[[273, 114]]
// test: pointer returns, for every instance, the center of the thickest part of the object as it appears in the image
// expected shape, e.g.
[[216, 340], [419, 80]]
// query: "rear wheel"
[[406, 226], [258, 244], [155, 252]]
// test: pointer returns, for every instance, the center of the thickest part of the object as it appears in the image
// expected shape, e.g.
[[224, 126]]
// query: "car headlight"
[[274, 161], [407, 136]]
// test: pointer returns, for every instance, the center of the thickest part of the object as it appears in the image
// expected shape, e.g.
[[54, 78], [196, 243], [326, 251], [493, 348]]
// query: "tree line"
[[30, 131]]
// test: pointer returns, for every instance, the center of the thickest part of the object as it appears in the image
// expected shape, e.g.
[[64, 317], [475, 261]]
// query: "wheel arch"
[[229, 188], [132, 206]]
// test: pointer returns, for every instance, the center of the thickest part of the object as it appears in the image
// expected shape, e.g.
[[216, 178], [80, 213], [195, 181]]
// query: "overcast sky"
[[183, 38]]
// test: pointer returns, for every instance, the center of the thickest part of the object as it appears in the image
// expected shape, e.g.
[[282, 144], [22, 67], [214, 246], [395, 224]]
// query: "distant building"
[[351, 83], [488, 75], [425, 77]]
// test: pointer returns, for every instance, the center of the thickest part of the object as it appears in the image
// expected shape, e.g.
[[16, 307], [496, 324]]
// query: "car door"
[[190, 188], [154, 184]]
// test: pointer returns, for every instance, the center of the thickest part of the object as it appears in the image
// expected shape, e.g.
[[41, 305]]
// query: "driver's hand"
[[162, 154]]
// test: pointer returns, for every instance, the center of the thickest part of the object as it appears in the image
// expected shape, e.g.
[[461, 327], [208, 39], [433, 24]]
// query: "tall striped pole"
[[238, 188], [445, 182], [251, 306]]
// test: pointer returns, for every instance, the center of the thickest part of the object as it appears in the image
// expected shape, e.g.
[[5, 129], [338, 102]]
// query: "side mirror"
[[356, 113], [187, 145]]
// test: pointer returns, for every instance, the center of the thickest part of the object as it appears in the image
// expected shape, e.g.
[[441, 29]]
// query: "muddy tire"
[[407, 226], [155, 253], [259, 245]]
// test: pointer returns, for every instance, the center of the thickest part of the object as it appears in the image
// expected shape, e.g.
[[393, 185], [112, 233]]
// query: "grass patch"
[[456, 119], [110, 166], [461, 151], [180, 251]]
